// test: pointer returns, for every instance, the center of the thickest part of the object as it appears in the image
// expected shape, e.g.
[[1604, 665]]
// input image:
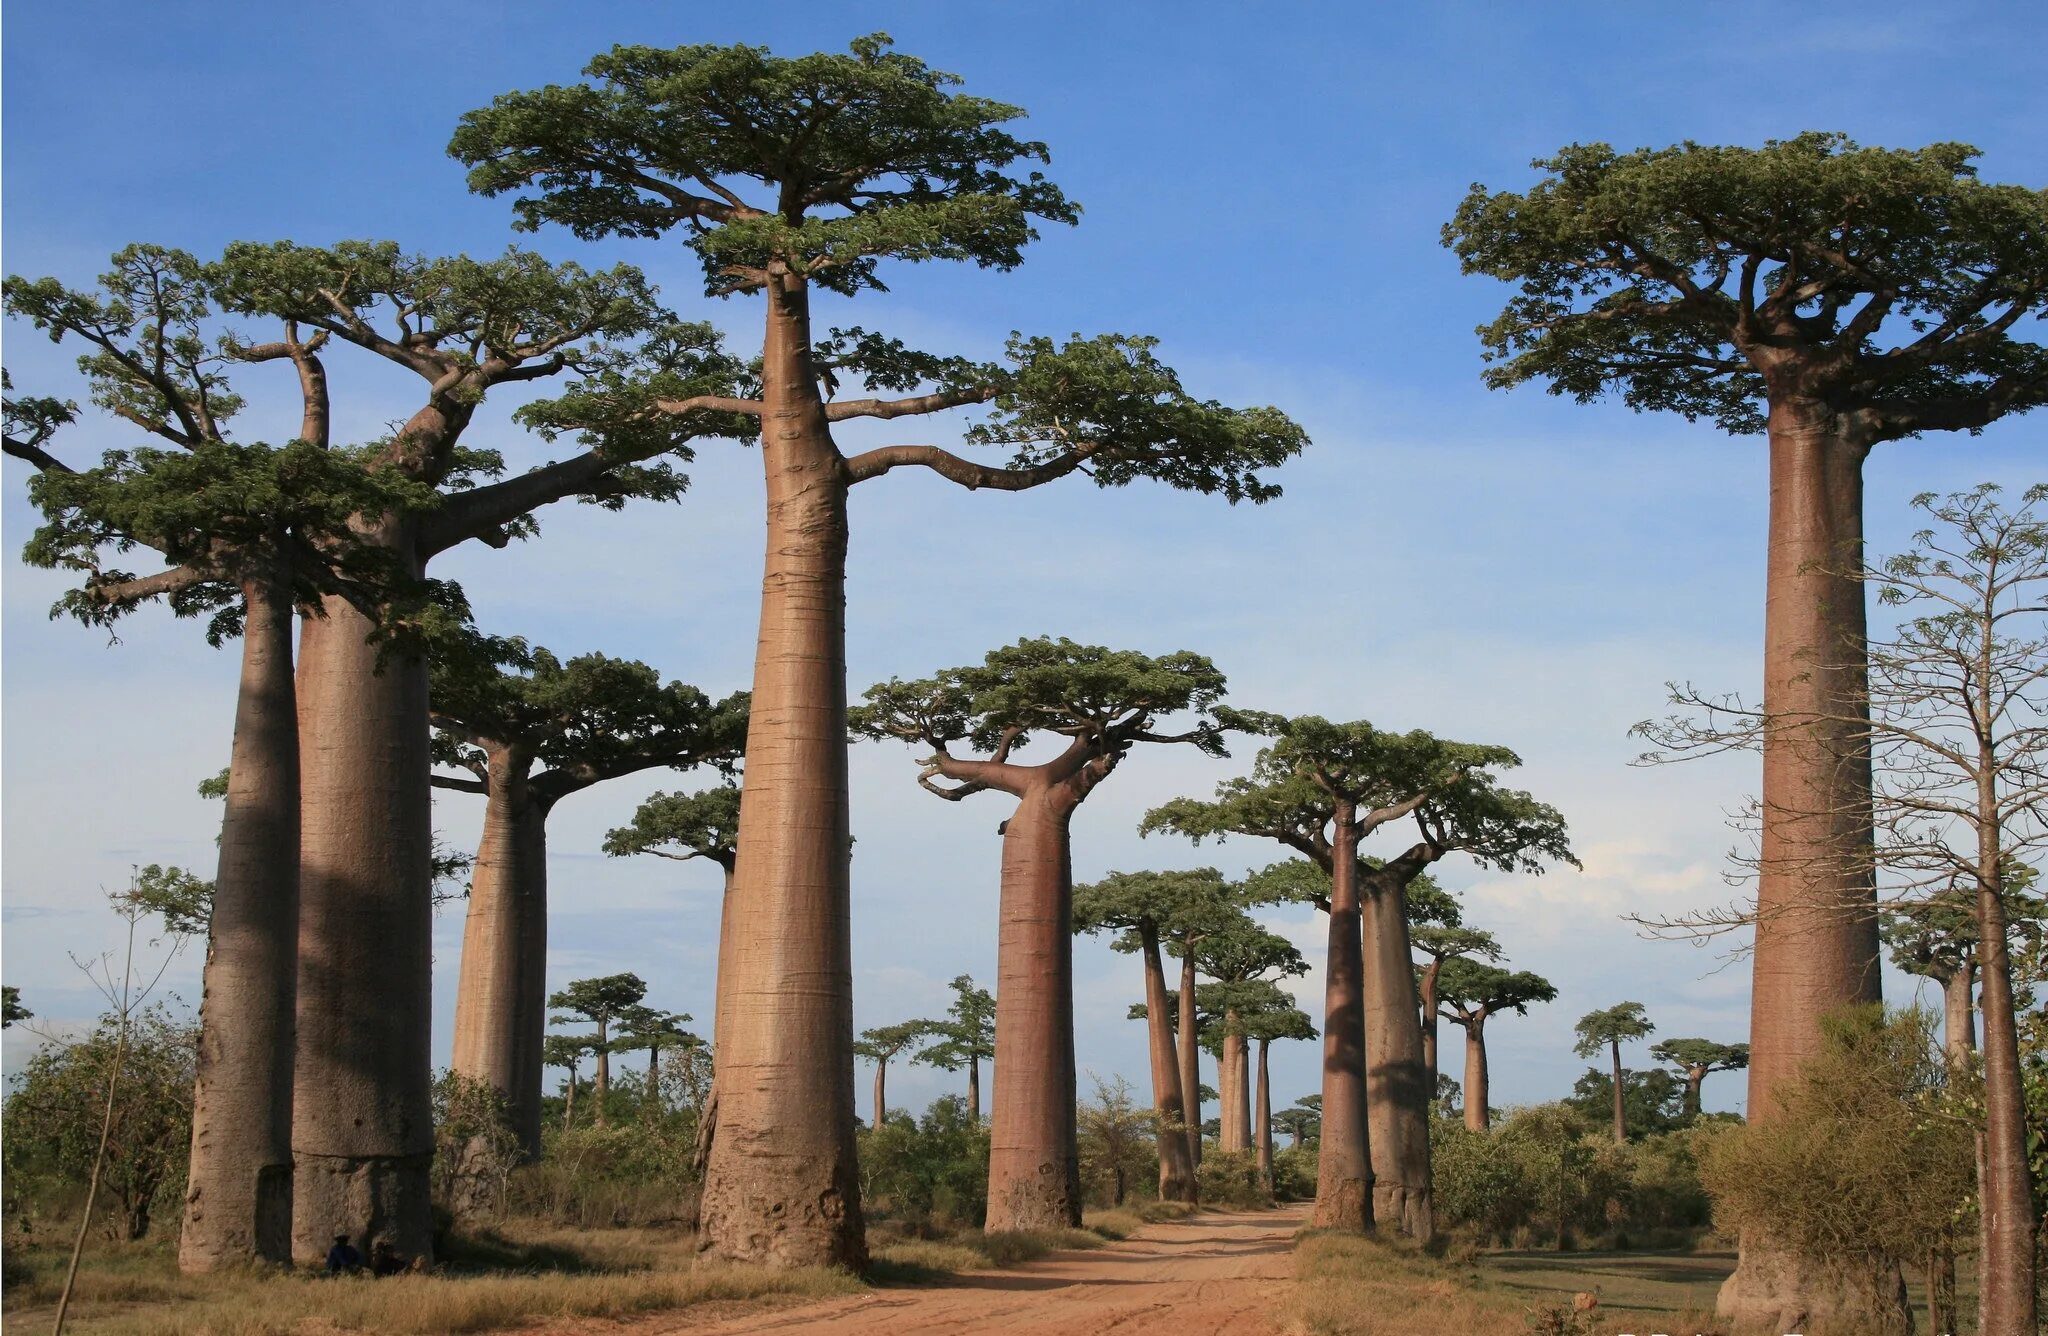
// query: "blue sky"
[[1263, 188]]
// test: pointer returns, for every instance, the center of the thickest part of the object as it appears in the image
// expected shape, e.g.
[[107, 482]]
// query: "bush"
[[1231, 1178], [1294, 1175], [593, 1177], [1119, 1146], [926, 1175], [1863, 1162]]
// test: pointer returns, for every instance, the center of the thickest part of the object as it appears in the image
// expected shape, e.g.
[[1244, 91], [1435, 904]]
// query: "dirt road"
[[1215, 1274]]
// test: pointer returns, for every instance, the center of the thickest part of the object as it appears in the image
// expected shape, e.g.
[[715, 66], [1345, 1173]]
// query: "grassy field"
[[489, 1281]]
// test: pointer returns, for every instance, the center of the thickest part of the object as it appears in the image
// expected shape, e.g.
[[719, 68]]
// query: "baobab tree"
[[1245, 959], [567, 1051], [530, 730], [1610, 1028], [1957, 732], [652, 1029], [1437, 943], [1937, 939], [1100, 703], [1300, 1121], [1144, 908], [1264, 1025], [361, 1123], [964, 1039], [881, 1044], [785, 174], [1698, 1059], [602, 1002], [1832, 297], [1319, 788], [1472, 991], [253, 534]]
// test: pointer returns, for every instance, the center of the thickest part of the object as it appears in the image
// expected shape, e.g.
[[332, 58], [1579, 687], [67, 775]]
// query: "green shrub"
[[1294, 1175], [1231, 1178], [593, 1177], [926, 1175]]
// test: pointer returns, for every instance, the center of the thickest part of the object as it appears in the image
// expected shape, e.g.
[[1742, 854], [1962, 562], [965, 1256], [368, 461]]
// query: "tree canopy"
[[599, 1001], [1614, 1025], [683, 826], [1890, 283], [967, 1035], [1470, 989], [1166, 903], [1698, 1054]]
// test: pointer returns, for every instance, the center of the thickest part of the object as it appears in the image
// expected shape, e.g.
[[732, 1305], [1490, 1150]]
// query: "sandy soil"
[[1215, 1274]]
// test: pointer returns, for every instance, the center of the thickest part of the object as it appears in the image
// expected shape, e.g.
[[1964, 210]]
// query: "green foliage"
[[1118, 1143], [682, 826], [1860, 1161], [184, 902], [1230, 1179], [862, 157], [475, 1148], [633, 1171], [1467, 988], [50, 1128], [1617, 1024], [1651, 1101], [586, 720], [11, 1009], [598, 1001], [967, 1035], [1683, 276], [1171, 904], [1112, 699], [884, 1042], [1294, 1173], [929, 1173]]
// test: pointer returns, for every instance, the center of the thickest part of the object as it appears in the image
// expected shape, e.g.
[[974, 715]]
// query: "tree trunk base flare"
[[1347, 1205], [372, 1199], [767, 1209], [1401, 1206], [1777, 1292], [262, 1231], [1044, 1200]]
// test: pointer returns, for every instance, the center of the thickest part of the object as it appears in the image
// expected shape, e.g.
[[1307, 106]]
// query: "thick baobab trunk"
[[780, 1182], [2006, 1299], [1034, 1173], [1620, 1108], [1234, 1075], [881, 1091], [1344, 1188], [973, 1089], [1397, 1087], [1176, 1172], [238, 1200], [1426, 991], [1817, 931], [1190, 1055], [1477, 1116], [1262, 1120], [501, 995], [362, 1118], [1695, 1077], [1959, 1013]]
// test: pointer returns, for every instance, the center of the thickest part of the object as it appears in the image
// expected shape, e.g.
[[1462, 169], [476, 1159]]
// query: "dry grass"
[[1347, 1285], [554, 1275], [930, 1261]]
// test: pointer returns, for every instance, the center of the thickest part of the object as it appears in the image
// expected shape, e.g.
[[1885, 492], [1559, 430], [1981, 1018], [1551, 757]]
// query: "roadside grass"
[[138, 1291], [1351, 1285]]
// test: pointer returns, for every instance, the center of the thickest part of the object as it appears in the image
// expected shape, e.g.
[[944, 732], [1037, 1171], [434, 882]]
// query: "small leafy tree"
[[600, 1002], [1473, 992], [1653, 1100], [1698, 1059], [965, 1039], [1610, 1029], [878, 1046], [1116, 1139]]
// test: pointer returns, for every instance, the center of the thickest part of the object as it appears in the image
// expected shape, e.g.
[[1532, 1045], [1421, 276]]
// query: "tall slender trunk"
[[1816, 946], [1426, 991], [1397, 1088], [1234, 1068], [1620, 1109], [707, 1117], [569, 1103], [1190, 1055], [881, 1091], [1262, 1120], [1176, 1172], [238, 1199], [362, 1114], [2007, 1303], [780, 1183], [1817, 931], [974, 1088], [501, 993], [1477, 1115], [603, 1084], [1344, 1188], [1034, 1174], [1959, 1012], [654, 1075]]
